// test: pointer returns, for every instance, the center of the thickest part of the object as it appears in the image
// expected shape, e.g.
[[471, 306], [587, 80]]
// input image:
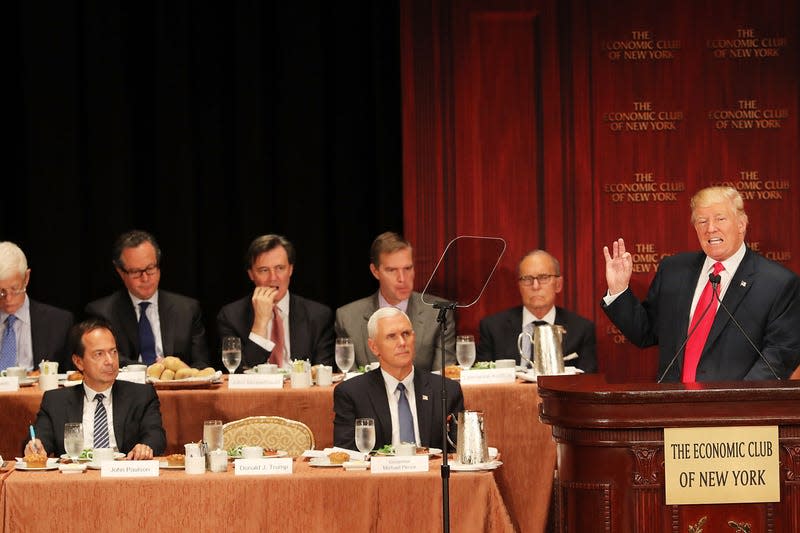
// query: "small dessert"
[[176, 459], [452, 372], [270, 452], [35, 460], [337, 458], [75, 376]]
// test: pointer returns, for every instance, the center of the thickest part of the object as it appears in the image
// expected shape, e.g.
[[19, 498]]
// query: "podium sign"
[[721, 465]]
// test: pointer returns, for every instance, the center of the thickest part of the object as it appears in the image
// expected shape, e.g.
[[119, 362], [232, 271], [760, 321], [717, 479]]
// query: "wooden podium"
[[610, 441]]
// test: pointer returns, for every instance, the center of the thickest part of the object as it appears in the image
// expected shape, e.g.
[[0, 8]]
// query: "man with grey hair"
[[763, 296], [274, 324], [539, 281], [30, 331], [149, 323], [392, 264], [404, 401]]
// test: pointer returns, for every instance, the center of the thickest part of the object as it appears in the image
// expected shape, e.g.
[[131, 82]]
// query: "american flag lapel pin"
[[743, 283], [424, 397]]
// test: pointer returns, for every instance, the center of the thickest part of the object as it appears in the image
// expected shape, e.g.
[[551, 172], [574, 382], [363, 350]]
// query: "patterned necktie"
[[147, 341], [699, 329], [8, 348], [276, 356], [100, 423], [404, 416]]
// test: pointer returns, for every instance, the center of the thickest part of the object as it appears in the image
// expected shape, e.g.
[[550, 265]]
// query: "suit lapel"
[[125, 316], [423, 395], [741, 281], [362, 341], [119, 410], [416, 313], [380, 406], [75, 405], [37, 332], [298, 329], [164, 314]]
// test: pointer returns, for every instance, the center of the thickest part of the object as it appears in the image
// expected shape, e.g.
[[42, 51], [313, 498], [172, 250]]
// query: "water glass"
[[345, 354], [365, 434], [73, 440], [465, 351], [212, 435], [231, 353]]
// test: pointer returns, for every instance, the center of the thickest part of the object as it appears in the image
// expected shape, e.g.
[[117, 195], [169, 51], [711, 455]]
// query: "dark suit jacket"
[[49, 330], [365, 397], [136, 412], [499, 334], [310, 330], [763, 296], [351, 321], [182, 331]]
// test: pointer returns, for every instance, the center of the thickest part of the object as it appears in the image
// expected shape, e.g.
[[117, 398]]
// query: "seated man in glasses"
[[149, 323], [30, 331], [539, 282]]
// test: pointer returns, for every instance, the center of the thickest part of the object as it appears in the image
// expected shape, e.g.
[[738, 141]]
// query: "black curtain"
[[206, 123]]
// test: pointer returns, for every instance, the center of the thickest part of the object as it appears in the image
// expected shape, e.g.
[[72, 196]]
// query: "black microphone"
[[711, 278], [715, 280]]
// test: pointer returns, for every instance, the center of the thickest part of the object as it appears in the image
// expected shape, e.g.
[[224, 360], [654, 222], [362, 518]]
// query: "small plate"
[[323, 462], [52, 464], [432, 452], [117, 457], [72, 468], [27, 382], [480, 467], [166, 466], [356, 465]]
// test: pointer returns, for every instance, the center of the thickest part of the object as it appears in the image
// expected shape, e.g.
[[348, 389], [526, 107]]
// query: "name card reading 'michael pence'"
[[399, 464], [489, 375], [9, 384], [255, 381], [263, 467], [129, 468]]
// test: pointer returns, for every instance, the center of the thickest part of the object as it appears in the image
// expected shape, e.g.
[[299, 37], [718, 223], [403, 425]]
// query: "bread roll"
[[173, 363], [75, 376], [183, 373], [155, 370], [167, 375], [207, 371]]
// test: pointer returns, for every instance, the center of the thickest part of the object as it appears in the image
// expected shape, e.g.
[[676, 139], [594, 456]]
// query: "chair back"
[[269, 432]]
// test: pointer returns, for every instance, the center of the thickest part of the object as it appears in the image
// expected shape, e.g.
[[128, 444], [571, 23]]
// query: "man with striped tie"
[[117, 414]]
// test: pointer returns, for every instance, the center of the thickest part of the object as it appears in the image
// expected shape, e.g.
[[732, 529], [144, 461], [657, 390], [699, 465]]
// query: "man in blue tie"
[[149, 323], [404, 401], [117, 414]]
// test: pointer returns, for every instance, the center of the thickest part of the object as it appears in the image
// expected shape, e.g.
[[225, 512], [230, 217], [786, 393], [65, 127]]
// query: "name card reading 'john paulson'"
[[736, 464], [129, 468]]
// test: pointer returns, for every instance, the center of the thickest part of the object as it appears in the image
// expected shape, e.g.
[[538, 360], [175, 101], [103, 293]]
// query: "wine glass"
[[365, 434], [231, 353], [345, 354], [465, 351], [73, 440]]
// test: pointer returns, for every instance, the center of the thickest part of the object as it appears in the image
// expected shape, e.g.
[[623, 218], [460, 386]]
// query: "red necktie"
[[276, 357], [699, 332]]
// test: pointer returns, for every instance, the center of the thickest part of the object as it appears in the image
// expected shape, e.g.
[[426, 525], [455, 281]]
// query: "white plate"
[[323, 462], [166, 466], [27, 382], [52, 464], [280, 453], [117, 457], [72, 468], [432, 452], [480, 467]]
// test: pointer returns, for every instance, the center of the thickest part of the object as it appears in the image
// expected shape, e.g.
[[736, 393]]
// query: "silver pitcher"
[[546, 348], [471, 448]]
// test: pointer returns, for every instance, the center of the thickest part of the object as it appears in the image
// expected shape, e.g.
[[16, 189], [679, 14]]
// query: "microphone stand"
[[443, 308]]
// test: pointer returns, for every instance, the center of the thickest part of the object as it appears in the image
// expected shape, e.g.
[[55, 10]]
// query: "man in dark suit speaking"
[[274, 324], [147, 322], [681, 304], [114, 413], [539, 282], [404, 401]]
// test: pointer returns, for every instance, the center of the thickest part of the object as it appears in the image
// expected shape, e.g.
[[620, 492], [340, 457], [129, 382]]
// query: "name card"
[[399, 464], [9, 384], [733, 464], [255, 381], [129, 468], [263, 467], [133, 376], [489, 375]]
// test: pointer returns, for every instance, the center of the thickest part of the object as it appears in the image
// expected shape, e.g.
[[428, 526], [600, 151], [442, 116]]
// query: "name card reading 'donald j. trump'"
[[263, 467], [399, 464], [129, 468], [488, 376], [737, 464], [255, 381]]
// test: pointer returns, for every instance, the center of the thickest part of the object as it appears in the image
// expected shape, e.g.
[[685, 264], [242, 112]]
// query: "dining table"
[[510, 413]]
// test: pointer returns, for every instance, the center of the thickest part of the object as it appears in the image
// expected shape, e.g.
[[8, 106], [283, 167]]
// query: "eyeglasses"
[[543, 279], [136, 274], [277, 270], [5, 293]]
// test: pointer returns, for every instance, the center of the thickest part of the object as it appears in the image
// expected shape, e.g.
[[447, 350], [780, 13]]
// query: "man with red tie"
[[697, 339]]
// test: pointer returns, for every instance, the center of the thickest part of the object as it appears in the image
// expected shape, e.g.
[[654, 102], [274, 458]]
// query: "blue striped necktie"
[[404, 416], [147, 341], [101, 439], [8, 346]]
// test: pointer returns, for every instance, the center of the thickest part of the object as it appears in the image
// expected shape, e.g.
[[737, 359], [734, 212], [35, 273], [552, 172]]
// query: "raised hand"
[[619, 267], [263, 301]]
